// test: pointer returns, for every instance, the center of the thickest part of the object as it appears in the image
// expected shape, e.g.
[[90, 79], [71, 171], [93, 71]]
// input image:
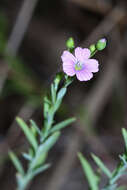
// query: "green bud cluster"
[[99, 46]]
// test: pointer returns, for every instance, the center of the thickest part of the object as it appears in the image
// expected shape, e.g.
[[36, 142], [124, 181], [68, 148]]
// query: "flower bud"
[[58, 78], [101, 44], [70, 43], [92, 48]]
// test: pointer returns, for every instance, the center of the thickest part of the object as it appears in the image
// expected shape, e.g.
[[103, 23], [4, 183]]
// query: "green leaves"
[[47, 104], [34, 125], [37, 154], [68, 80], [102, 166], [27, 156], [28, 133], [118, 172], [91, 176], [41, 169], [59, 98], [62, 124], [54, 88], [16, 163], [61, 93], [53, 93], [42, 149]]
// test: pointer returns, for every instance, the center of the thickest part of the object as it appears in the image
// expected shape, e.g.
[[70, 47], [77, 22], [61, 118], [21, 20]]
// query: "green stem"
[[24, 182], [120, 171], [118, 174], [93, 53], [56, 100]]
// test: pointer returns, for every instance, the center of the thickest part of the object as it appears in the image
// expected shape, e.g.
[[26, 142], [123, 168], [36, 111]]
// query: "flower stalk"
[[41, 140], [48, 135]]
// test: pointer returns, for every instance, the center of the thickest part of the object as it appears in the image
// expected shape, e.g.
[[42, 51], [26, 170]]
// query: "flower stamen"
[[78, 66]]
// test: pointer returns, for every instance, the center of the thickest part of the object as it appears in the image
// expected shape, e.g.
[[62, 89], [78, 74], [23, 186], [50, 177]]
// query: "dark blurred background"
[[32, 38]]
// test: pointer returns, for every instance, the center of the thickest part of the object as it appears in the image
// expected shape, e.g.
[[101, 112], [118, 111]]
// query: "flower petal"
[[68, 68], [84, 75], [82, 54], [92, 65], [67, 57]]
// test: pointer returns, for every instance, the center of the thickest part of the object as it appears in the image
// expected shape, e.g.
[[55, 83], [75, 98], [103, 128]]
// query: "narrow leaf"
[[61, 93], [29, 135], [44, 148], [57, 105], [47, 104], [69, 80], [90, 175], [49, 142], [124, 132], [27, 156], [53, 93], [41, 169], [36, 127], [62, 124], [102, 166], [41, 159], [16, 163], [60, 96]]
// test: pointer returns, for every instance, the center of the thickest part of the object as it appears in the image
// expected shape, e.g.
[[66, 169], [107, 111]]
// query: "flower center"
[[78, 66]]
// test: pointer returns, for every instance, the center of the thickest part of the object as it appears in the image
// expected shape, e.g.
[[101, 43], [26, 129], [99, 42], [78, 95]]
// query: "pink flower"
[[80, 65]]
